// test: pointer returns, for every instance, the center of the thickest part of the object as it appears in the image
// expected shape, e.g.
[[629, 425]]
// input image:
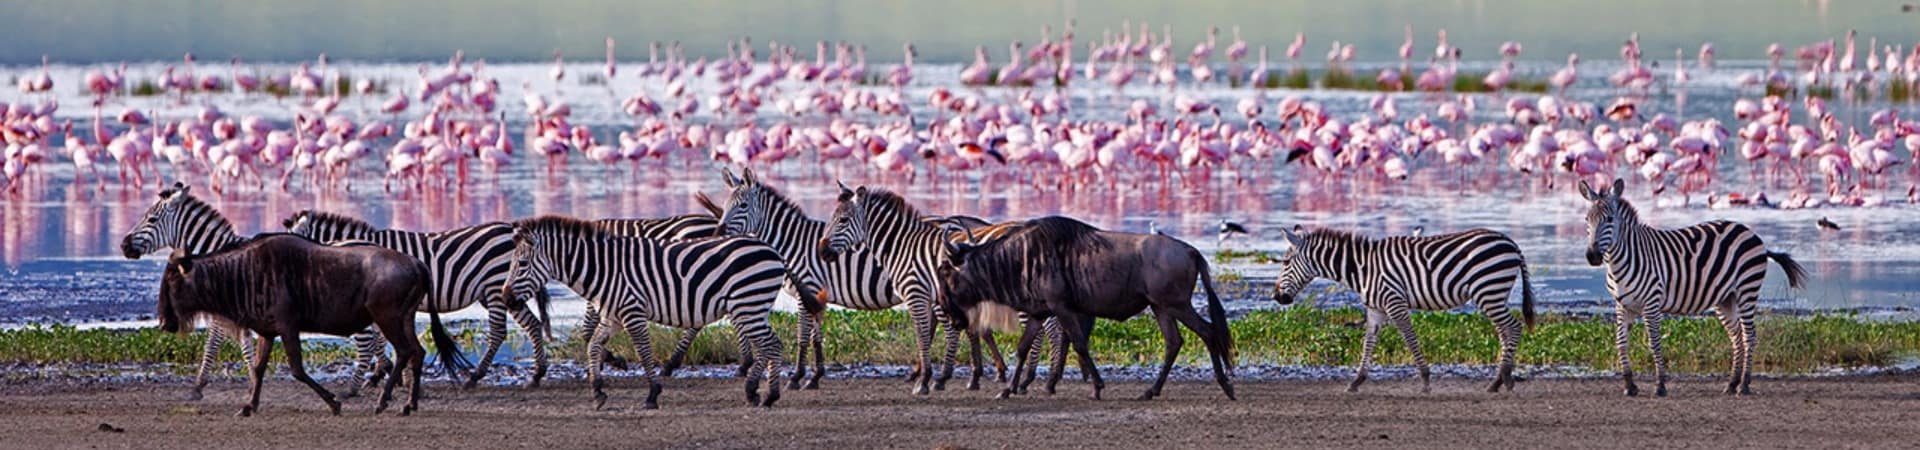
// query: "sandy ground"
[[1880, 412]]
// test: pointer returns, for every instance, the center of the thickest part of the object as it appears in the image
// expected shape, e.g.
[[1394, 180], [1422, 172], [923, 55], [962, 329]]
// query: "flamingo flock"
[[1022, 120]]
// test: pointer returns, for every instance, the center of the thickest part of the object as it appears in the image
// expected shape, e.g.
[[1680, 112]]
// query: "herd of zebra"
[[877, 252]]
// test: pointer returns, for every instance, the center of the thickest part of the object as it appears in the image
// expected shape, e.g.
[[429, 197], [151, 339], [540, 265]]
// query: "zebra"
[[638, 281], [1653, 272], [908, 248], [673, 228], [467, 266], [1398, 274], [854, 279], [180, 221]]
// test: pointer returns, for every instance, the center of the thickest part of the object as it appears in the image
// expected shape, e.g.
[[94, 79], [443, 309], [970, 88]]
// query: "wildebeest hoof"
[[813, 384], [334, 407], [1148, 395], [406, 411], [195, 395], [245, 411], [599, 401], [795, 384], [1660, 391], [649, 406], [920, 390], [1004, 393]]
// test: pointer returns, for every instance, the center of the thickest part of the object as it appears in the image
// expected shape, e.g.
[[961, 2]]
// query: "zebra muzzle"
[[1284, 299], [1595, 257], [825, 251]]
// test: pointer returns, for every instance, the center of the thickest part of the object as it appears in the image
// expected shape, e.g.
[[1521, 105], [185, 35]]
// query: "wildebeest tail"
[[451, 359], [1796, 275], [1216, 314]]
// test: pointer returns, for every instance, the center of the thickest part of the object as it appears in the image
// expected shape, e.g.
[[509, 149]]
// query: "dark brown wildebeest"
[[1063, 268], [281, 285]]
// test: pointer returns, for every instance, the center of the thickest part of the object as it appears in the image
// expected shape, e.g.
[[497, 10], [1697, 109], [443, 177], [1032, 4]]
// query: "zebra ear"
[[1293, 235], [845, 194], [726, 175], [747, 176], [1586, 191], [1619, 186]]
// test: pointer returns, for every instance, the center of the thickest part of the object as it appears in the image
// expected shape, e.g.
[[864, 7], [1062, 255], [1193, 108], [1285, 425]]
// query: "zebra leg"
[[753, 327], [953, 351], [1746, 350], [804, 334], [1654, 317], [923, 319], [1170, 333], [1022, 354], [535, 329], [1509, 333], [747, 356], [1374, 319], [258, 373], [1731, 325], [298, 368], [206, 362], [1622, 326], [819, 355], [637, 330], [496, 336], [370, 355], [596, 350], [1060, 355], [680, 352], [589, 323], [1403, 321]]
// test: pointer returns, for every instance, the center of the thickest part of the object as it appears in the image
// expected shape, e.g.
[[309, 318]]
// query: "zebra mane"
[[885, 199], [189, 203], [779, 199], [336, 220], [562, 225], [236, 246], [1341, 236]]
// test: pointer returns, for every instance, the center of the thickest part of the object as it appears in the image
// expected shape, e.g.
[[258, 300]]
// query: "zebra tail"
[[1215, 313], [450, 357], [1796, 275], [1526, 295]]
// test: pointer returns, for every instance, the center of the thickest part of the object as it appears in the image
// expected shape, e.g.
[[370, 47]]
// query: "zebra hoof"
[[795, 384], [599, 401], [771, 397], [813, 384], [406, 410], [245, 411], [1745, 391], [193, 396], [1633, 391], [973, 385], [753, 398], [920, 390], [1660, 391], [334, 407]]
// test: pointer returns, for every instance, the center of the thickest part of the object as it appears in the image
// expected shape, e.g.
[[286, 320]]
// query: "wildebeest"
[[281, 285], [1060, 267]]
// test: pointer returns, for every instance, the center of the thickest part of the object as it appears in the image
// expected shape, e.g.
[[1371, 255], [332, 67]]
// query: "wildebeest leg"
[[680, 352], [259, 372], [410, 358], [1216, 344], [1170, 332], [1375, 318], [1059, 338], [1076, 335], [1021, 354], [993, 350], [973, 345], [291, 344], [496, 336]]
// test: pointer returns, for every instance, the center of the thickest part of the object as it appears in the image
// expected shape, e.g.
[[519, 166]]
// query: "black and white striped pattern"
[[672, 228], [638, 281], [1652, 273], [467, 266], [908, 249], [1398, 274], [182, 222]]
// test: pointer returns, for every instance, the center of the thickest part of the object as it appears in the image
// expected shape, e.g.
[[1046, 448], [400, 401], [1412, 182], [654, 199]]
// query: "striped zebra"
[[1653, 273], [182, 222], [853, 279], [908, 249], [1396, 275], [639, 281], [467, 266], [673, 228]]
